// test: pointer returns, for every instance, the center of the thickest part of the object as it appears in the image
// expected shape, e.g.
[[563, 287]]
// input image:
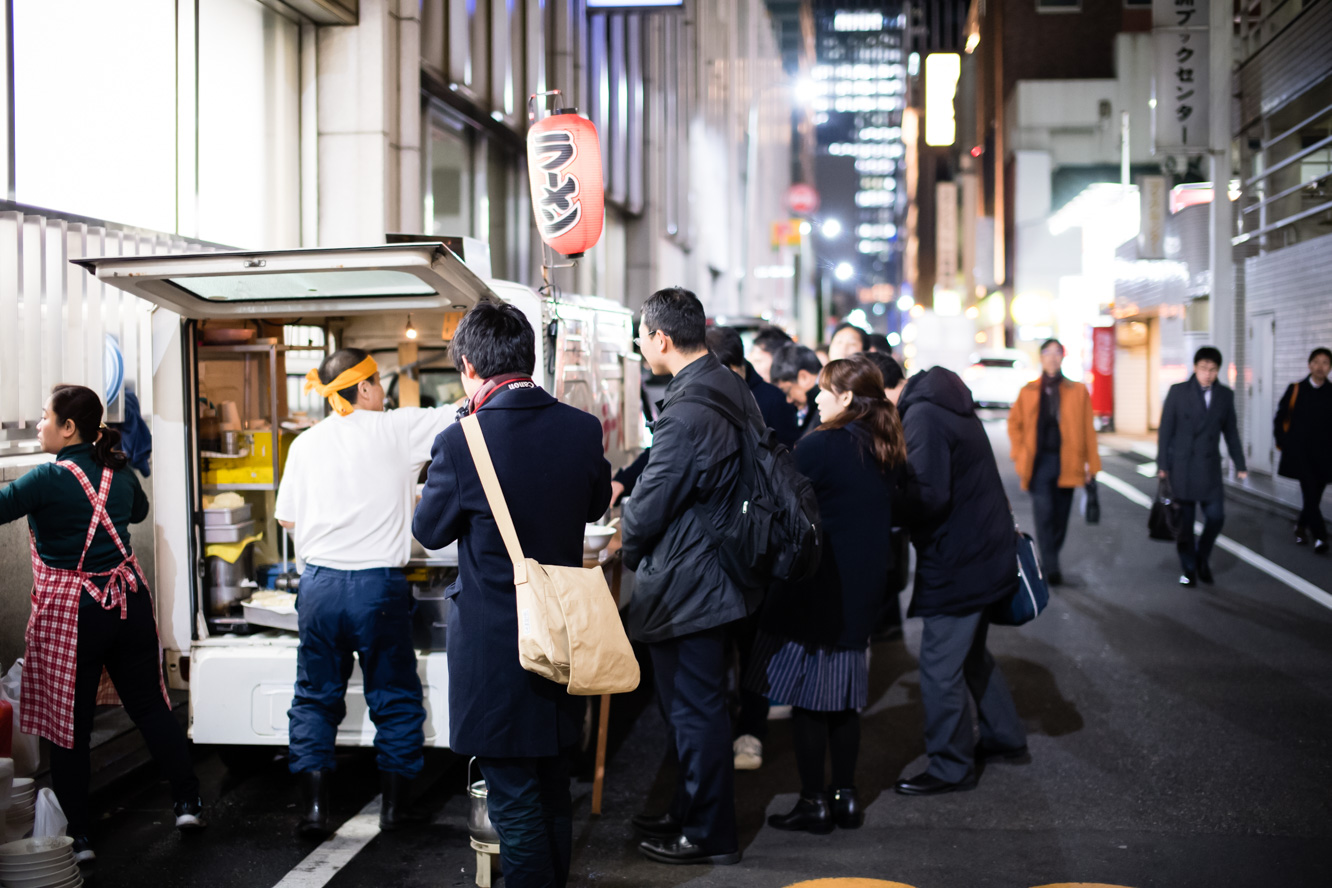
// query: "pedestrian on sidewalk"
[[766, 344], [1196, 414], [684, 600], [847, 340], [1052, 441], [91, 610], [549, 461], [795, 370], [346, 496], [966, 552], [811, 650], [1303, 434]]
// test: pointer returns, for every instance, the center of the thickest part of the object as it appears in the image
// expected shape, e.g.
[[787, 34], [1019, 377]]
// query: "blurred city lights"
[[909, 333], [844, 271], [905, 303], [858, 21], [831, 228], [894, 339], [806, 228], [942, 70]]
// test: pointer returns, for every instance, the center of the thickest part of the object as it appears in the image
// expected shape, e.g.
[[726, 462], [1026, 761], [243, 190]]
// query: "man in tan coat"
[[1053, 445]]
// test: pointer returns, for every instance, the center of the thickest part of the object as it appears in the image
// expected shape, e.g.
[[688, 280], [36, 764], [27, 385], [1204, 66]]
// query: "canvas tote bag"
[[569, 629]]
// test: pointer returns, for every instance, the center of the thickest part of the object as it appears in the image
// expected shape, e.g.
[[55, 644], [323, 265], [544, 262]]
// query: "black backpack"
[[771, 530]]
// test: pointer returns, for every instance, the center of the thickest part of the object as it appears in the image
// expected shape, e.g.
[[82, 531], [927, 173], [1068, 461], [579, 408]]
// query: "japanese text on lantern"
[[564, 165]]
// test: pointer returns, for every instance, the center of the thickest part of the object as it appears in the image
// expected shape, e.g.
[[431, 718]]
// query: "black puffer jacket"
[[966, 548], [681, 587]]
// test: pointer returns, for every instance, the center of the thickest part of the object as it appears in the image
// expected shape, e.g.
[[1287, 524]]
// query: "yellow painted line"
[[849, 883]]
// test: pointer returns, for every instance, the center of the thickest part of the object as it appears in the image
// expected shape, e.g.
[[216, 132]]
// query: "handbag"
[[569, 629], [1032, 593], [1163, 522], [1091, 509]]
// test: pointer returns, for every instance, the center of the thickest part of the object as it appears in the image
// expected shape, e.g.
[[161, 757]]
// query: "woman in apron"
[[91, 610]]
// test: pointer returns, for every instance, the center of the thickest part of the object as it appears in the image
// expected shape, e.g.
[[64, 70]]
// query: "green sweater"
[[59, 513]]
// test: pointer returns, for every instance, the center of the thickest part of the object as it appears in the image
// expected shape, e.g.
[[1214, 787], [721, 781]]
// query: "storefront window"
[[448, 201]]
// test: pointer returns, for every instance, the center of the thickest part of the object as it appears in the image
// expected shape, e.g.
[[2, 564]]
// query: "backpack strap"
[[499, 508]]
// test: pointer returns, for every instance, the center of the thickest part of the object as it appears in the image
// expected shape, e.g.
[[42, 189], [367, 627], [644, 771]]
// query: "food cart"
[[225, 414]]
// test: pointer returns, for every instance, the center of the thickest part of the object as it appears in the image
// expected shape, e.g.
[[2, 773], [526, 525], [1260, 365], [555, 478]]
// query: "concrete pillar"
[[1222, 298]]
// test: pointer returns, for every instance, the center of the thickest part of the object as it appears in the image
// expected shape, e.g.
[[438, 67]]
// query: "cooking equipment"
[[274, 618], [226, 581], [216, 517], [478, 817], [227, 533]]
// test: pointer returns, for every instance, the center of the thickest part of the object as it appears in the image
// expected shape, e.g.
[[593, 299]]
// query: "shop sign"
[[945, 234], [802, 199], [1152, 194], [1180, 83], [564, 167], [1103, 371]]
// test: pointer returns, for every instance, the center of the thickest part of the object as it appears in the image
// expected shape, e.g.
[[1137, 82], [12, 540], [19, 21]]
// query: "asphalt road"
[[1179, 737]]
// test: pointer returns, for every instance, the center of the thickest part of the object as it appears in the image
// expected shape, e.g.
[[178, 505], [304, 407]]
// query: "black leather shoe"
[[846, 810], [395, 804], [1301, 536], [1188, 579], [811, 814], [660, 825], [314, 804], [1011, 755], [1320, 547], [678, 849], [1205, 572], [1056, 578], [925, 784]]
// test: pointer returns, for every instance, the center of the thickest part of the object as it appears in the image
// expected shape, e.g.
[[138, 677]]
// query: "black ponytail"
[[81, 405]]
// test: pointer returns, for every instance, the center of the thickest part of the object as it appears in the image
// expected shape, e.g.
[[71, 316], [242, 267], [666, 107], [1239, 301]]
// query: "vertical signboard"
[[1103, 371], [1180, 81], [945, 235], [1152, 196]]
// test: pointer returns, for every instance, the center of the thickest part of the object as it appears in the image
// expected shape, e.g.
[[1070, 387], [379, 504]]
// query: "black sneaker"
[[189, 815], [83, 852]]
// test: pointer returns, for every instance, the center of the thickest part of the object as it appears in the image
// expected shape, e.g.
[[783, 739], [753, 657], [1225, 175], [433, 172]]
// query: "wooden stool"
[[487, 861]]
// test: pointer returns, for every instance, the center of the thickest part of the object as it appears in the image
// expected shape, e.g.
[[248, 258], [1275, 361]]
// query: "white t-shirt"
[[350, 485]]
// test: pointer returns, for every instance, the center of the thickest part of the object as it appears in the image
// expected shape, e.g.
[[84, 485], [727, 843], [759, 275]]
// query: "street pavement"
[[1179, 737]]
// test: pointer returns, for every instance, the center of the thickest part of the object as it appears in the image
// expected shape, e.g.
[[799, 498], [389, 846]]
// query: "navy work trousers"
[[530, 807], [690, 674], [368, 612], [1052, 505], [1214, 516]]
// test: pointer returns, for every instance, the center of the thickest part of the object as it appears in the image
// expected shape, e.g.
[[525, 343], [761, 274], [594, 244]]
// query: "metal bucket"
[[478, 817]]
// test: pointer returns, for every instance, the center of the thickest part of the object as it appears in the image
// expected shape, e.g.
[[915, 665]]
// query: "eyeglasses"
[[638, 340]]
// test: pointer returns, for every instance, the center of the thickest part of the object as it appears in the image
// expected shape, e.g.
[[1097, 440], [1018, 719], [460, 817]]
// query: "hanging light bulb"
[[410, 332]]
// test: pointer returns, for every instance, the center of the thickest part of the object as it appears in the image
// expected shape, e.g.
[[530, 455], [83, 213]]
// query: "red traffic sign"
[[802, 199]]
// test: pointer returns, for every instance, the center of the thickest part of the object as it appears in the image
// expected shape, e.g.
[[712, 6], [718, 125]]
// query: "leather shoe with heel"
[[660, 825], [811, 814], [314, 805], [846, 810], [926, 784], [679, 850]]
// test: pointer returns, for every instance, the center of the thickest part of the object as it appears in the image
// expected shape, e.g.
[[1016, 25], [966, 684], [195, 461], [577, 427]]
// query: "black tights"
[[815, 734]]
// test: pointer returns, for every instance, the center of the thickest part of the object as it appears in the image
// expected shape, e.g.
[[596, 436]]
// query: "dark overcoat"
[[837, 607], [961, 525], [778, 413], [1189, 440], [1306, 449], [549, 461]]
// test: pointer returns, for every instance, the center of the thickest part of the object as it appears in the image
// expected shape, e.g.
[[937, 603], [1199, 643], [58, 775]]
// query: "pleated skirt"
[[825, 679]]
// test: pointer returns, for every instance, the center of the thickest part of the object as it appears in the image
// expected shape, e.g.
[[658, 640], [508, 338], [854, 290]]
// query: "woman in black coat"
[[811, 646], [1303, 432]]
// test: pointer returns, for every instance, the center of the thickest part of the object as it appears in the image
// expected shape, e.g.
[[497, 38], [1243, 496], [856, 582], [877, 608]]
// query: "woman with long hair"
[[91, 610], [811, 651]]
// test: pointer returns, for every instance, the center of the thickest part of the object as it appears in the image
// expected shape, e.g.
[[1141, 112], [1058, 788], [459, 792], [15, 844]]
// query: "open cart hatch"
[[324, 281]]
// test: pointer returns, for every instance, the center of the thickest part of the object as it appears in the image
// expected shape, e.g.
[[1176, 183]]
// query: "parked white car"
[[996, 377]]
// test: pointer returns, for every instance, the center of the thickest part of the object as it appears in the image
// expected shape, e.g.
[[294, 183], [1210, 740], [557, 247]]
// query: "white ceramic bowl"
[[72, 882], [596, 538], [42, 879], [49, 848], [26, 869]]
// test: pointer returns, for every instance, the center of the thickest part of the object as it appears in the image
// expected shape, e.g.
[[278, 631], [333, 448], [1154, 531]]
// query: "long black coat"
[[778, 413], [1188, 446], [550, 465], [838, 606], [961, 525], [1306, 450], [681, 587]]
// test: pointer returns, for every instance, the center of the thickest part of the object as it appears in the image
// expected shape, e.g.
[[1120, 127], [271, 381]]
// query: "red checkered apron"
[[52, 639]]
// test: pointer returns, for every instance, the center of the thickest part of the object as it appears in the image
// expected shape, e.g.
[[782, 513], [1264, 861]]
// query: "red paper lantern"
[[564, 165]]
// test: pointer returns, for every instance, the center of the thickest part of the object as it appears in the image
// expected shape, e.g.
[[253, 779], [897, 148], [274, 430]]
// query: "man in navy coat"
[[1197, 413], [549, 460]]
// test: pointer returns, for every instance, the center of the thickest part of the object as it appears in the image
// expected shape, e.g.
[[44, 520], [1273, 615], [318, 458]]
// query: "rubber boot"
[[395, 808], [314, 804]]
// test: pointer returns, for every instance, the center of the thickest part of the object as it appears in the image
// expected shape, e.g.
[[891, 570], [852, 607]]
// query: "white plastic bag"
[[27, 747], [50, 817]]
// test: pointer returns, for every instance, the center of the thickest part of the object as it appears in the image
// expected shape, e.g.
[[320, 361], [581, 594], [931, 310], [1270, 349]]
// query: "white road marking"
[[1242, 552], [336, 851]]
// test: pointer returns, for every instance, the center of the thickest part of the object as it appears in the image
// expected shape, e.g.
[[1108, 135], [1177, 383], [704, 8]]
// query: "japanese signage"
[[1180, 94], [1152, 194], [945, 235], [564, 166]]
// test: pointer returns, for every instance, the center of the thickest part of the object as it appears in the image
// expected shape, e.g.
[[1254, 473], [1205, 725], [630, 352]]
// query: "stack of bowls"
[[39, 863], [6, 788], [22, 808]]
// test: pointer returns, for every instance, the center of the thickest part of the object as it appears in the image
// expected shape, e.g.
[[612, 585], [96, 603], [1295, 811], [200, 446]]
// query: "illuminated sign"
[[942, 70], [635, 4], [564, 166]]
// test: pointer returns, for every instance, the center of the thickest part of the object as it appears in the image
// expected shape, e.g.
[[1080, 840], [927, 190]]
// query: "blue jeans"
[[369, 613], [530, 807], [1214, 515]]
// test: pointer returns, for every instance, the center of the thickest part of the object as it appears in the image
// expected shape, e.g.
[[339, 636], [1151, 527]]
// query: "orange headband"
[[346, 379]]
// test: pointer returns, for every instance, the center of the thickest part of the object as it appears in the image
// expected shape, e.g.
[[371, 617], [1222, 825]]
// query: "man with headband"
[[347, 495]]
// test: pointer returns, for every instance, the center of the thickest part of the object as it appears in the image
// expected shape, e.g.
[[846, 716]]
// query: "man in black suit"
[[684, 599], [795, 370], [1197, 413], [549, 461]]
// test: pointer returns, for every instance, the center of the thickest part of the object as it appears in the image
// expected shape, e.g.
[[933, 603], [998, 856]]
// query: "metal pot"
[[225, 581], [478, 817]]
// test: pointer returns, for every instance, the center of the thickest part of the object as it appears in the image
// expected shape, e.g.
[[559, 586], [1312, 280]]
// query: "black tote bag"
[[1163, 522]]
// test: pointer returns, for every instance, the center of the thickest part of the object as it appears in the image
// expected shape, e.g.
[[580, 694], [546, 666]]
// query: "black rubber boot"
[[395, 808], [811, 814], [314, 804]]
